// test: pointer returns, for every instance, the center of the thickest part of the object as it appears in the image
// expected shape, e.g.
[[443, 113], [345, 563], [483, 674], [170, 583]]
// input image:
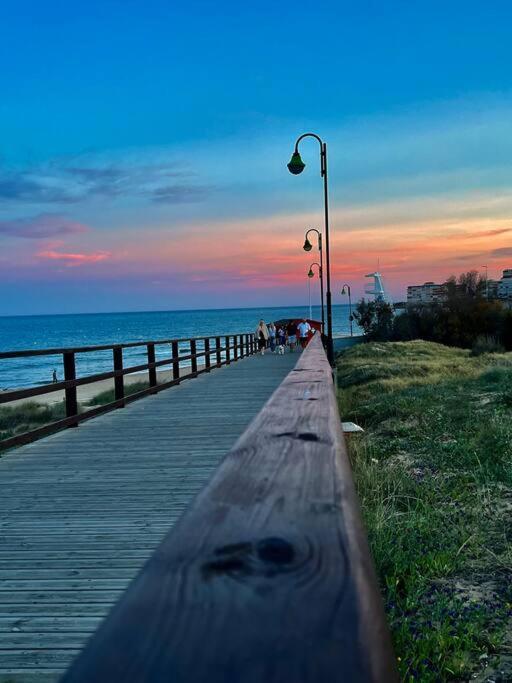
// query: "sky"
[[143, 149]]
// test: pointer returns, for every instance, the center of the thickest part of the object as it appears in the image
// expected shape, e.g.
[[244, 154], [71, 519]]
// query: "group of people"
[[281, 337]]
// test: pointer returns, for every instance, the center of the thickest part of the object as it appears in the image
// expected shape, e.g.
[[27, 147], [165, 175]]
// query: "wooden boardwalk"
[[82, 510]]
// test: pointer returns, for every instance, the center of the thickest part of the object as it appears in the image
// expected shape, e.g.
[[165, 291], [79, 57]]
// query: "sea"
[[91, 329]]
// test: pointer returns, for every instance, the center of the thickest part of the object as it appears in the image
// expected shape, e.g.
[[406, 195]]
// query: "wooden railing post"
[[117, 353], [228, 354], [207, 359], [175, 360], [70, 393], [247, 345], [151, 371], [193, 352], [241, 337], [217, 351], [235, 347]]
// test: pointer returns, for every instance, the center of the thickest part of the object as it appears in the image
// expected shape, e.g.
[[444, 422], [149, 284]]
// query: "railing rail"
[[267, 576], [74, 415]]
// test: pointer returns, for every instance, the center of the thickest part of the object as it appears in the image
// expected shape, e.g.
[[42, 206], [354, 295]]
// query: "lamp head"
[[311, 274], [307, 245], [296, 164], [343, 291]]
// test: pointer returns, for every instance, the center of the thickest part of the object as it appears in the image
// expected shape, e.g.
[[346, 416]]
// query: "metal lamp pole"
[[296, 166], [312, 274], [346, 288], [307, 247], [486, 282]]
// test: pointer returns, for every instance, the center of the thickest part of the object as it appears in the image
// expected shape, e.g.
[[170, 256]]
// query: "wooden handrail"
[[24, 353], [267, 576], [71, 382]]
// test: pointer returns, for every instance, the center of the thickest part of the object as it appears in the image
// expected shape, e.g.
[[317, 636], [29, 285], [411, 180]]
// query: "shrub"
[[486, 344], [375, 318]]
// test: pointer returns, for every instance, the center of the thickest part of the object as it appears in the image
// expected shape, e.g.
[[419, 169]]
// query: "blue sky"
[[132, 130]]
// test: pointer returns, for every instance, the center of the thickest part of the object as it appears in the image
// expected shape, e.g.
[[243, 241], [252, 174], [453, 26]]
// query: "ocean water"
[[58, 331]]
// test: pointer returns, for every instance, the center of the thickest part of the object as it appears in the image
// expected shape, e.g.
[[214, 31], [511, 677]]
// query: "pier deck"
[[83, 509]]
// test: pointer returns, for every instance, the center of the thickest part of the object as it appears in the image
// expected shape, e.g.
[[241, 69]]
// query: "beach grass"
[[23, 418], [31, 415], [109, 395], [433, 471]]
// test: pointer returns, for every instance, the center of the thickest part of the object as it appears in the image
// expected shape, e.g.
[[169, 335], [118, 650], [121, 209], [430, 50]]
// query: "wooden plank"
[[268, 574], [63, 584], [42, 624], [45, 641], [21, 610], [35, 659], [14, 576], [37, 597]]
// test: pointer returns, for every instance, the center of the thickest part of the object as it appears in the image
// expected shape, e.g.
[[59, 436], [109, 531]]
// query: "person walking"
[[281, 336], [303, 330], [261, 335], [272, 336], [54, 376], [292, 337]]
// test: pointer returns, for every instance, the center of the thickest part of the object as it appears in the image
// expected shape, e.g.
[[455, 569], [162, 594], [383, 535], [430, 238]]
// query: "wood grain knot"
[[303, 436], [275, 550], [265, 558]]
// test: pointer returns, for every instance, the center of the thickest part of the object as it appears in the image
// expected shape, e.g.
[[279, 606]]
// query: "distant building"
[[428, 293], [504, 285], [377, 290], [492, 288]]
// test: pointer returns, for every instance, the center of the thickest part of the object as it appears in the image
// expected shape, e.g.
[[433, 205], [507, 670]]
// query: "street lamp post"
[[296, 166], [345, 290], [486, 282], [307, 247], [311, 274]]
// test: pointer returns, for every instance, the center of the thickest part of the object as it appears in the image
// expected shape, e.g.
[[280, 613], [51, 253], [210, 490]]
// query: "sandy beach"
[[87, 392]]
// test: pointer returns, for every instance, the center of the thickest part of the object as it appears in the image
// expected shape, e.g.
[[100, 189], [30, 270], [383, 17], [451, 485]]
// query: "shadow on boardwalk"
[[82, 510]]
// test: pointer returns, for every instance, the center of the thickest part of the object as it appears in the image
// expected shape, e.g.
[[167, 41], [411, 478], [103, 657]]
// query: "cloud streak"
[[502, 251], [42, 226], [65, 182]]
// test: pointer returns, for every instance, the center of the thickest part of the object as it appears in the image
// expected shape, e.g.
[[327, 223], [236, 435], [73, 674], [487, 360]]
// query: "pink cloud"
[[72, 259]]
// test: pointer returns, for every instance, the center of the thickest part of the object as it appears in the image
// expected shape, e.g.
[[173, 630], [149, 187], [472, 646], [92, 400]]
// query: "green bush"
[[486, 344]]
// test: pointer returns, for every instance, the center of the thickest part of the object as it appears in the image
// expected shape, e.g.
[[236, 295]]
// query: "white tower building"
[[377, 290]]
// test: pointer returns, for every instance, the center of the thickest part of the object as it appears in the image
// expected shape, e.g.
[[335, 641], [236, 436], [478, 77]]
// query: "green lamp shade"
[[311, 274], [307, 245], [296, 164]]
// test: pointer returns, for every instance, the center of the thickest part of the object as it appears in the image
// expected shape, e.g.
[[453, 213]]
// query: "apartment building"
[[505, 285], [430, 292], [427, 293]]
